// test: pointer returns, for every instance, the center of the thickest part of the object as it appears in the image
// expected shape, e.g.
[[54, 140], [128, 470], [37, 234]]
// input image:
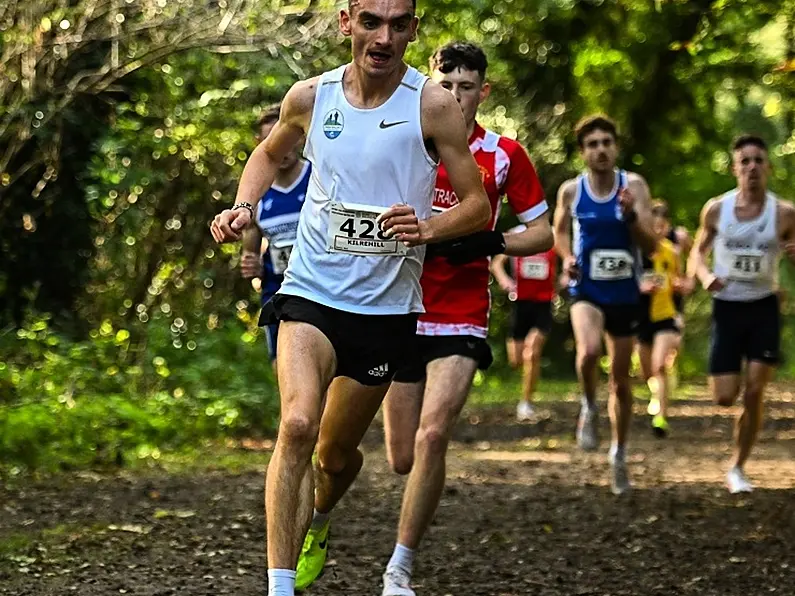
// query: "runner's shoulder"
[[299, 101], [568, 190]]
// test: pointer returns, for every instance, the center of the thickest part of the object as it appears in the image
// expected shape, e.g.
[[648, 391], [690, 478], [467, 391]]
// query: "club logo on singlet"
[[333, 124]]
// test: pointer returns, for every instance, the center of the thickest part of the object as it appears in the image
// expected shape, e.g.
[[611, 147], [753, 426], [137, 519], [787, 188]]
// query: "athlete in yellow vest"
[[659, 331]]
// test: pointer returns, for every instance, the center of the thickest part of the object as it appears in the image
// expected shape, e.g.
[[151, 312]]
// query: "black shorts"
[[744, 330], [529, 314], [621, 320], [369, 348], [647, 330], [432, 347]]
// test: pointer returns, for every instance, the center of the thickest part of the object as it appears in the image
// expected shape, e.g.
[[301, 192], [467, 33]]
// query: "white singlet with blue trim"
[[747, 251], [363, 162]]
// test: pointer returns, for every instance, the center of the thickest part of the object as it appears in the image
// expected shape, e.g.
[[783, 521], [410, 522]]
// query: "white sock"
[[281, 582], [617, 452], [402, 557], [319, 519]]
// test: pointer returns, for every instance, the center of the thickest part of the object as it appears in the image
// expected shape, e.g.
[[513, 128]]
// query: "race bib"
[[611, 265], [353, 229], [280, 255], [653, 278], [530, 268], [748, 266]]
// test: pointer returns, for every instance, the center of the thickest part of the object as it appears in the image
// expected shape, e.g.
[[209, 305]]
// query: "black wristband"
[[631, 217], [245, 206]]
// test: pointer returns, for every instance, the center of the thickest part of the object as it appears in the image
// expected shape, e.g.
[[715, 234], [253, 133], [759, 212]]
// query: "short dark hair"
[[352, 3], [748, 139], [594, 122], [268, 115], [460, 54], [659, 208]]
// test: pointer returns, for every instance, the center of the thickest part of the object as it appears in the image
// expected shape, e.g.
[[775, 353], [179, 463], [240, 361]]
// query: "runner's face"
[[599, 151], [379, 30], [290, 159], [660, 226], [467, 87], [751, 167]]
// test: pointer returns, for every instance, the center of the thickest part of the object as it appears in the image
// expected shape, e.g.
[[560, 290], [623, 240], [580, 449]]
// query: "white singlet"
[[746, 252], [363, 162]]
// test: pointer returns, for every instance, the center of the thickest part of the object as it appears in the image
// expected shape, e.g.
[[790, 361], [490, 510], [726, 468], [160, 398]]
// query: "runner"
[[351, 293], [277, 222], [659, 332], [530, 290], [748, 228], [609, 211], [426, 396]]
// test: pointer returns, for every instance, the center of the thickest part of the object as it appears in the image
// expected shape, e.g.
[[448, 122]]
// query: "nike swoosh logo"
[[391, 124], [323, 544]]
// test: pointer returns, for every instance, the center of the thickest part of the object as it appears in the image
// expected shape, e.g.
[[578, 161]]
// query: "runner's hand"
[[400, 221], [789, 249], [713, 284], [570, 268], [626, 201], [250, 265], [228, 225], [684, 286]]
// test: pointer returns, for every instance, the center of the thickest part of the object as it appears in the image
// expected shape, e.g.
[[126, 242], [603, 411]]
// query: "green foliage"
[[118, 148], [110, 399]]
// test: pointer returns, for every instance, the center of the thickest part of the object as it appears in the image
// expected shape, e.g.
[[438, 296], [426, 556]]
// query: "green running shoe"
[[313, 557], [659, 426]]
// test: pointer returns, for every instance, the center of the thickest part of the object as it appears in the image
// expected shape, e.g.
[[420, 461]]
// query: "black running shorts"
[[432, 347], [621, 320], [369, 348], [529, 314], [647, 330], [744, 330]]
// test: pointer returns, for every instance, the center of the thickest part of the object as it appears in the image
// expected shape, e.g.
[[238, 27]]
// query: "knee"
[[431, 441], [299, 430], [725, 397], [333, 460], [588, 356], [620, 385], [531, 354], [400, 457], [401, 462], [752, 396]]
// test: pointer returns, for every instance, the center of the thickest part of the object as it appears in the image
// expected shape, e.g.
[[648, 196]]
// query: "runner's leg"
[[305, 373], [401, 419]]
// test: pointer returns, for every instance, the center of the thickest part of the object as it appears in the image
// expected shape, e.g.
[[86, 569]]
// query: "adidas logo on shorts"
[[379, 371]]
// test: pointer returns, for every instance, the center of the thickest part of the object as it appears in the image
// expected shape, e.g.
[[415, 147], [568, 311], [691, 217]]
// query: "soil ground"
[[524, 512]]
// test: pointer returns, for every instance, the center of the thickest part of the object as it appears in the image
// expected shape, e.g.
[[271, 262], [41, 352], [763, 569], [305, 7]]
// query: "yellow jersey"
[[664, 269]]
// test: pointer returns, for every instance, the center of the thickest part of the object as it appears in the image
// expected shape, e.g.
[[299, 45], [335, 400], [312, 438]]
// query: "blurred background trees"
[[124, 125]]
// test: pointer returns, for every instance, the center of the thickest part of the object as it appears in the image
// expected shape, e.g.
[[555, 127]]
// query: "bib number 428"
[[362, 228], [353, 229]]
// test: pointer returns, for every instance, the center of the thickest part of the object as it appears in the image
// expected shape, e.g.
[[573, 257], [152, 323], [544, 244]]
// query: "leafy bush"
[[68, 404]]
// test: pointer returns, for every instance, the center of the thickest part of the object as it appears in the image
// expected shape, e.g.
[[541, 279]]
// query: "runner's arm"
[[562, 220], [787, 219], [501, 276], [525, 195], [250, 253], [443, 124], [697, 266], [263, 163], [641, 228]]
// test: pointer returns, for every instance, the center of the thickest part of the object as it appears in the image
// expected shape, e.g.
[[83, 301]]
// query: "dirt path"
[[523, 513]]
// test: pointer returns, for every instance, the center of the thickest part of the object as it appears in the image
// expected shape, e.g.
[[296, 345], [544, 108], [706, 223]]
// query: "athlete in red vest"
[[425, 398], [531, 290]]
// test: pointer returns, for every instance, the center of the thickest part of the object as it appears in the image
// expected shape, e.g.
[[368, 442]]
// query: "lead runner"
[[376, 130]]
